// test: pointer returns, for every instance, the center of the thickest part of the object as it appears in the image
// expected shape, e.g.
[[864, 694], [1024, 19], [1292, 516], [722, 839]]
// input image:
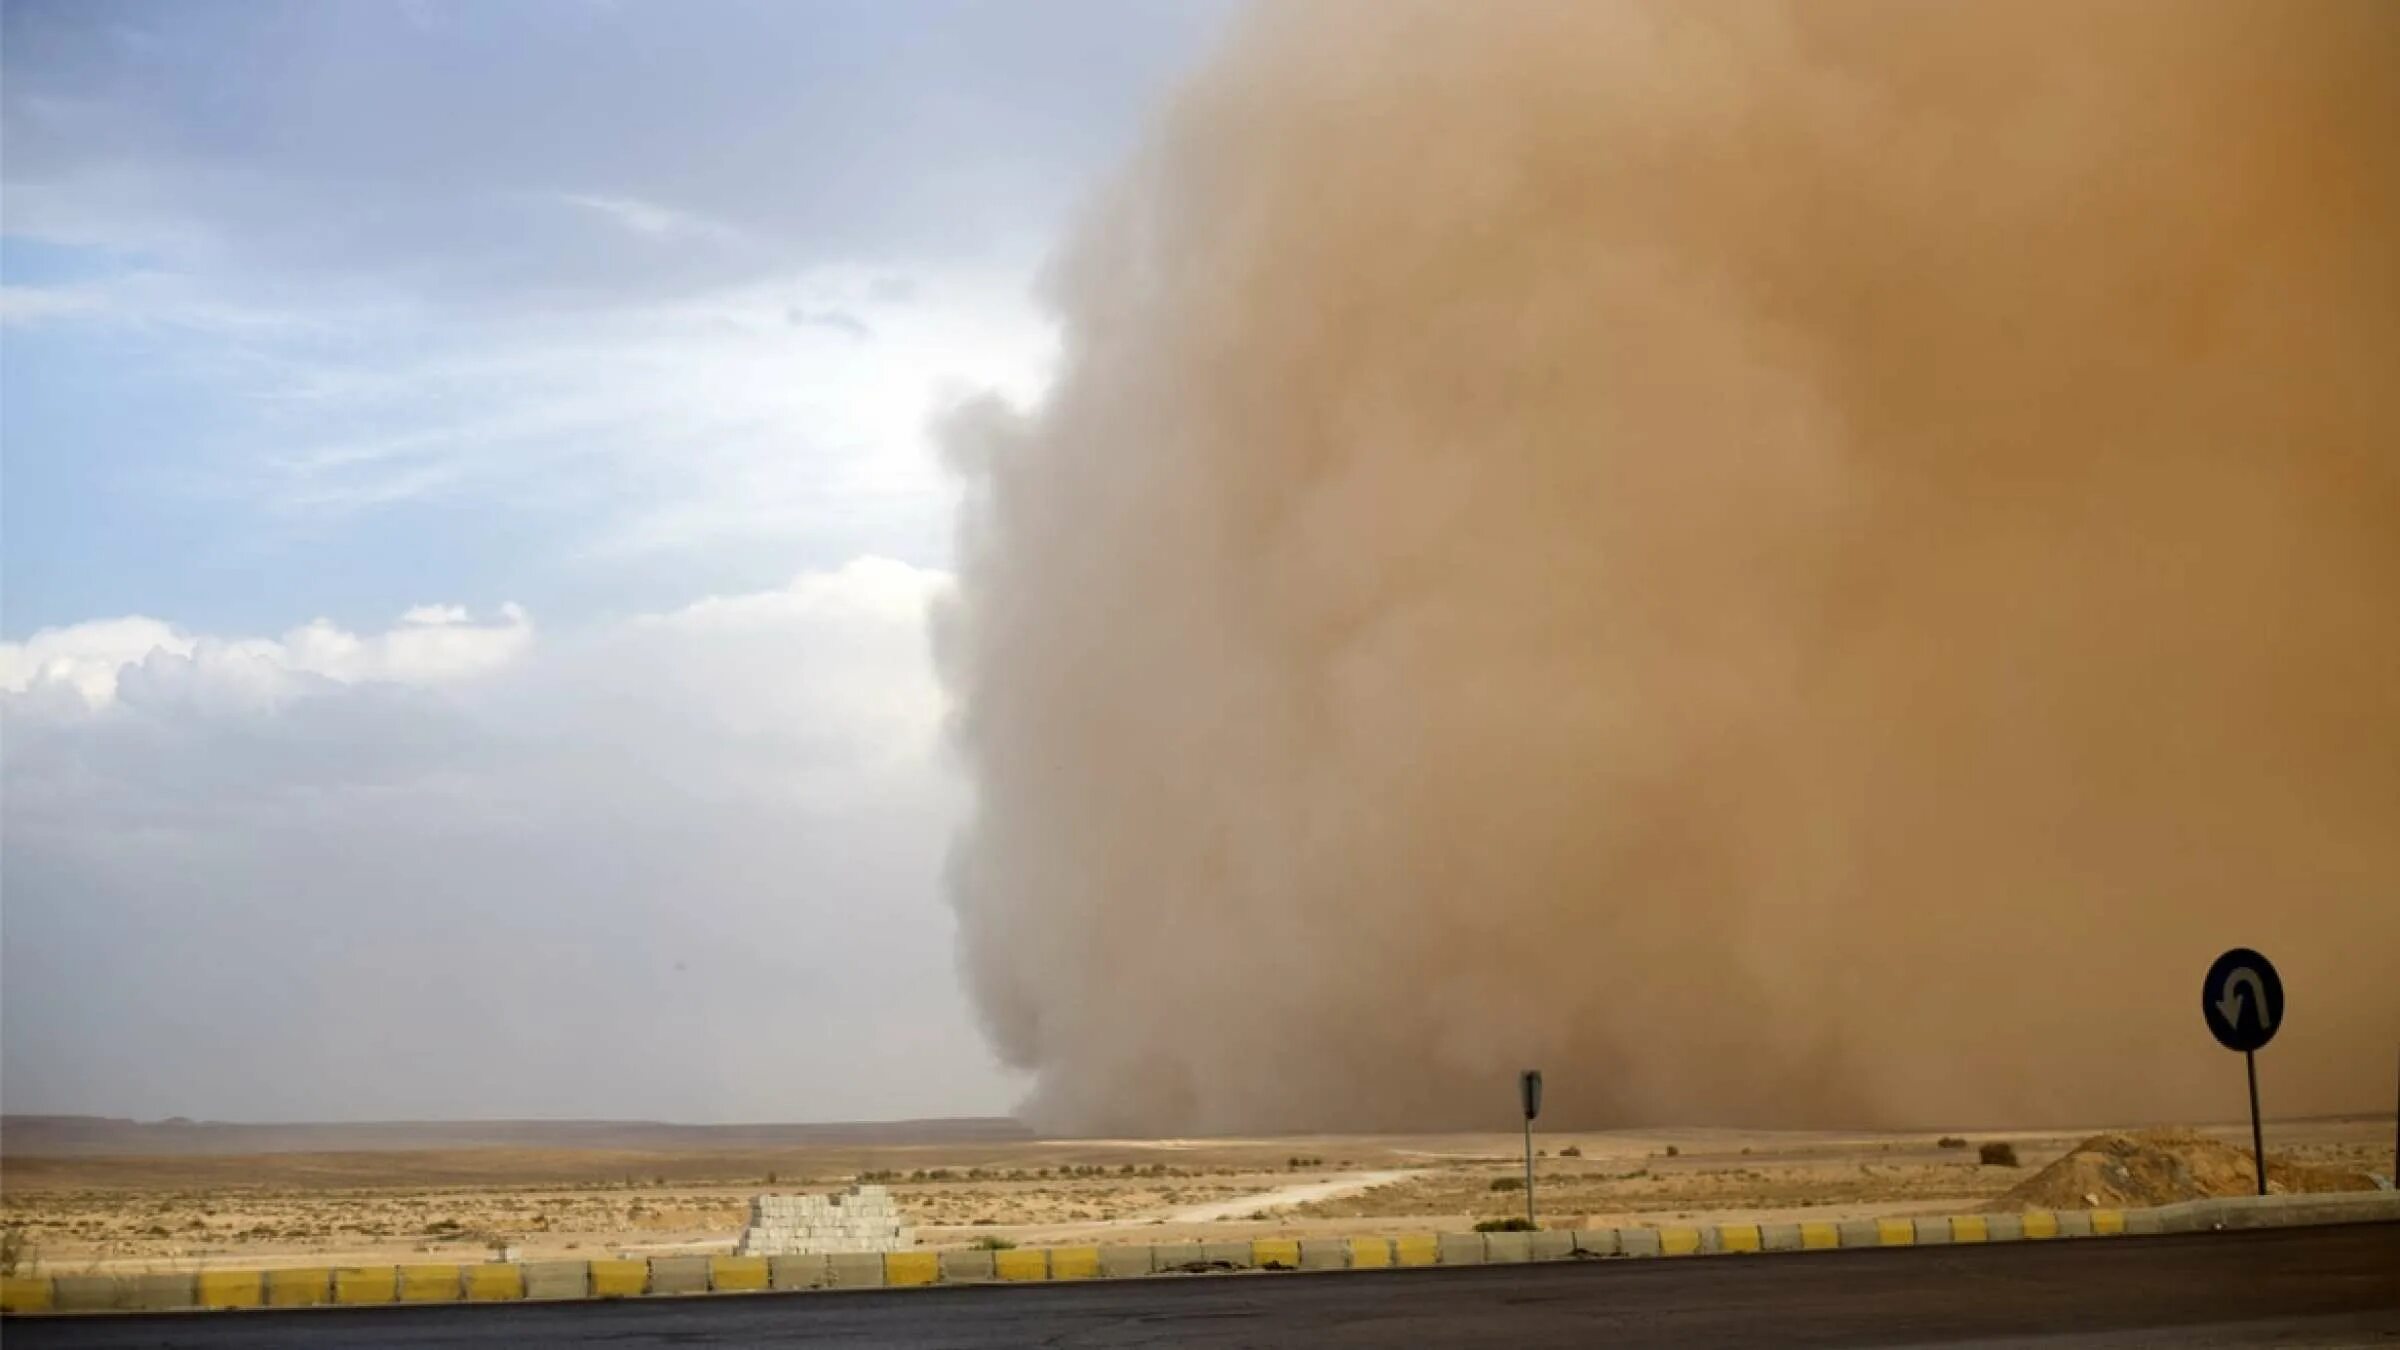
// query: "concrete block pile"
[[861, 1219]]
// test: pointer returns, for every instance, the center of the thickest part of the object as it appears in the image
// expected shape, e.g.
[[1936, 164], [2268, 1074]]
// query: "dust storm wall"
[[1786, 563]]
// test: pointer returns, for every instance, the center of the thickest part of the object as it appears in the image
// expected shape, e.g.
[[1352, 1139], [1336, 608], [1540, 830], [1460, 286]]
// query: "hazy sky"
[[469, 516]]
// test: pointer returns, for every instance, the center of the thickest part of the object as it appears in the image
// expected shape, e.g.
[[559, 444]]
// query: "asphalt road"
[[2282, 1287]]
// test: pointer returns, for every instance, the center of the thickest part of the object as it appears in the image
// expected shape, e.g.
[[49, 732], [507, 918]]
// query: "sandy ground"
[[71, 1214]]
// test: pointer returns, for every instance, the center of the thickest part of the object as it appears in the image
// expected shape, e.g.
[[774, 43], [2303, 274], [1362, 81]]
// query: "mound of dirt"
[[2161, 1167]]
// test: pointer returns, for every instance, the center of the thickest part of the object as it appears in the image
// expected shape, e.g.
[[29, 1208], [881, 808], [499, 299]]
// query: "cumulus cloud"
[[435, 614], [92, 660], [463, 866], [84, 658]]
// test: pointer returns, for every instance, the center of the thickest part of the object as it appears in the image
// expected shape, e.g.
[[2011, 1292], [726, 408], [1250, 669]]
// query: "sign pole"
[[1529, 1091], [2241, 999], [2258, 1140], [1529, 1169]]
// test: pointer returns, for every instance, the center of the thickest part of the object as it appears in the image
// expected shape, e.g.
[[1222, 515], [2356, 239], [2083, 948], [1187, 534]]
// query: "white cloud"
[[435, 614], [91, 660], [32, 304], [706, 840], [650, 219], [86, 657]]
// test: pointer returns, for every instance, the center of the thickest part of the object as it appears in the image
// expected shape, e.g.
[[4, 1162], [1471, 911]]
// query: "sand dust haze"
[[1787, 563]]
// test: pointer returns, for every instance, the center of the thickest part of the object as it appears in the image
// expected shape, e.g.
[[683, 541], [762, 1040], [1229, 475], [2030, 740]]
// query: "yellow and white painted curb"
[[666, 1276]]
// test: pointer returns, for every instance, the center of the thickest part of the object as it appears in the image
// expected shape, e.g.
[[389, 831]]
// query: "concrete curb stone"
[[557, 1279], [854, 1270], [678, 1274], [1234, 1254], [566, 1279], [797, 1272], [1324, 1253], [1596, 1242], [966, 1267], [1461, 1249], [1509, 1248]]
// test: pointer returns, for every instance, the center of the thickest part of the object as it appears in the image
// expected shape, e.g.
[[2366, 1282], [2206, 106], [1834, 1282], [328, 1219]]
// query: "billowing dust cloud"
[[1784, 563]]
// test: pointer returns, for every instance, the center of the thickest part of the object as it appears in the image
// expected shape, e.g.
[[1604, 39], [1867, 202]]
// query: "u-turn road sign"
[[2242, 998]]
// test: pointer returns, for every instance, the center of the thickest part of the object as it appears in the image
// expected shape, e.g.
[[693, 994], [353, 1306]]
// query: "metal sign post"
[[2258, 1140], [2241, 999], [1529, 1087]]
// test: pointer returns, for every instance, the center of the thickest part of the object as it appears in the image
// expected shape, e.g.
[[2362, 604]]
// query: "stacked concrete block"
[[861, 1219]]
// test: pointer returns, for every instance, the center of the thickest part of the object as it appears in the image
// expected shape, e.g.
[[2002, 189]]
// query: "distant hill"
[[98, 1136]]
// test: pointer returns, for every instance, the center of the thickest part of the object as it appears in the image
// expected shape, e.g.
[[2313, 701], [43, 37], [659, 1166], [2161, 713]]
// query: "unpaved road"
[[1298, 1194]]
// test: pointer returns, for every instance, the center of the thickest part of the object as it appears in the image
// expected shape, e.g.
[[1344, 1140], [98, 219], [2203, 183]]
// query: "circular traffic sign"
[[2242, 999]]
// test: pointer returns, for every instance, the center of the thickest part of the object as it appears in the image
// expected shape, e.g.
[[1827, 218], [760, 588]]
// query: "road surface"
[[2281, 1287]]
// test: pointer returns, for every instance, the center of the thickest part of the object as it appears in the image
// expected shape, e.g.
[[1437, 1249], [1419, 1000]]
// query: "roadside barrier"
[[673, 1276]]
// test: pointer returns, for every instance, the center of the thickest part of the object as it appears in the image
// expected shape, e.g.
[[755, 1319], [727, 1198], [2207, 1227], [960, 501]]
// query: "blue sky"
[[308, 290], [466, 470]]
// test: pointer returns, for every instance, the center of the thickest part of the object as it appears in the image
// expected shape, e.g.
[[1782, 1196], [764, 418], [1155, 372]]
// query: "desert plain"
[[120, 1196]]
